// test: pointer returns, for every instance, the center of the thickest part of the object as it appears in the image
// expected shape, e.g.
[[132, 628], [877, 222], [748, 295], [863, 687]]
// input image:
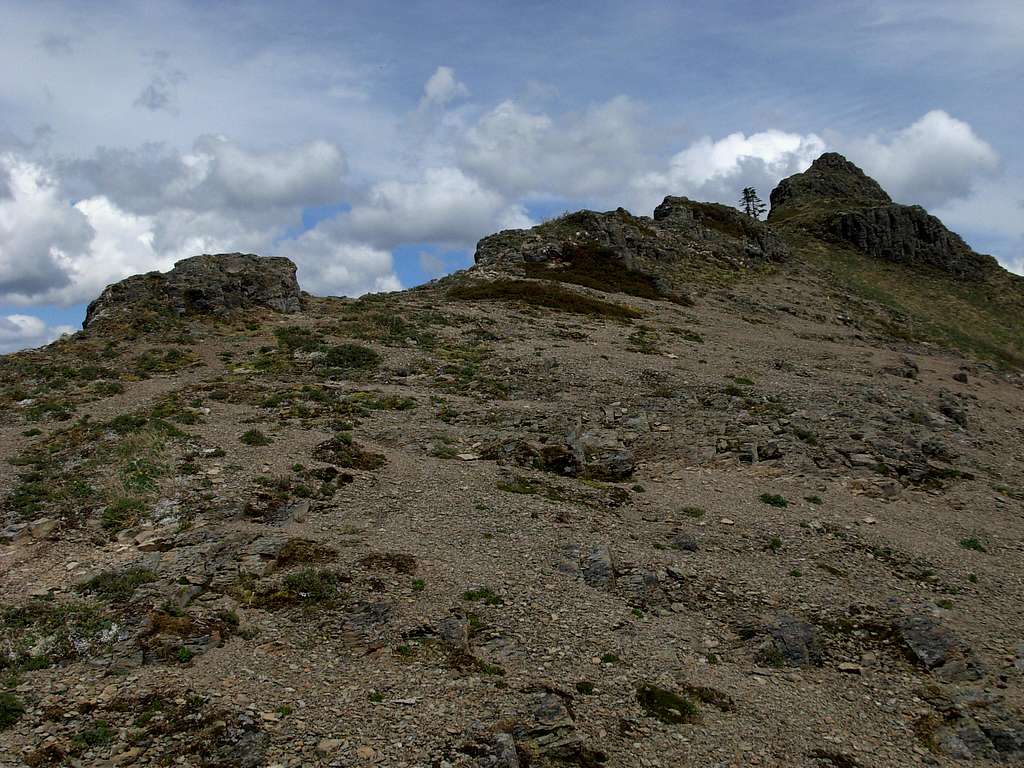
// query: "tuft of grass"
[[694, 512], [255, 437], [543, 295], [774, 500], [973, 543]]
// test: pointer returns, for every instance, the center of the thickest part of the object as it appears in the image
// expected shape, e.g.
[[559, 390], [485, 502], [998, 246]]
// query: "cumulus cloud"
[[216, 173], [40, 235], [717, 169], [139, 210], [586, 155], [936, 159], [332, 266], [26, 331], [441, 88], [445, 205]]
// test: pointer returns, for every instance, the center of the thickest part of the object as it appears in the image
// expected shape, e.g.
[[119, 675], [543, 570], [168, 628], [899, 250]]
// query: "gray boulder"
[[203, 285]]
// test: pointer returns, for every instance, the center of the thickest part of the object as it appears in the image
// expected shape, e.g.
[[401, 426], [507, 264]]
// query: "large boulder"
[[211, 284]]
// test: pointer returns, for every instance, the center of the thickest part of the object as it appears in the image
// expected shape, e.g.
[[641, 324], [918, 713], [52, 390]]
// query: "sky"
[[375, 142]]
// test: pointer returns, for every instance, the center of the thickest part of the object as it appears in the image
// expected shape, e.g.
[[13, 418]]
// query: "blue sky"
[[375, 142]]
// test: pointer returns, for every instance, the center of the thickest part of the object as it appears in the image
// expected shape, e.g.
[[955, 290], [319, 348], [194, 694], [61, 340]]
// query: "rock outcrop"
[[211, 284], [683, 235], [838, 202]]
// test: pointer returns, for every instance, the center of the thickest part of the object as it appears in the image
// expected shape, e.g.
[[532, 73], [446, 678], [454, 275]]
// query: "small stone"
[[849, 668], [365, 753], [468, 456], [727, 521]]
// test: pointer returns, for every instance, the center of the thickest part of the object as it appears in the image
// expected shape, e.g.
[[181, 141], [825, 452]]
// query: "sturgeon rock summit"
[[839, 202]]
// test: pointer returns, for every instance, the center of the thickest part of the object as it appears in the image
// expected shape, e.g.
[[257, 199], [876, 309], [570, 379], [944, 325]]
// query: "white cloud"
[[444, 205], [717, 169], [330, 267], [217, 173], [441, 88], [585, 155], [934, 160], [26, 331], [40, 235]]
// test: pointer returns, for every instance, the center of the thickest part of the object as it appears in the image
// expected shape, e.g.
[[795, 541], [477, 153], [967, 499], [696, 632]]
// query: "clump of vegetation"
[[169, 361], [694, 512], [11, 710], [121, 514], [300, 551], [665, 705], [118, 586], [347, 357], [482, 594], [342, 451], [255, 437], [543, 295], [311, 585], [40, 633], [774, 500], [399, 562], [95, 735]]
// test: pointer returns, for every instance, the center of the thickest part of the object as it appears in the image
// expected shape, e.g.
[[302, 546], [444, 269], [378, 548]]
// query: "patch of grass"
[[542, 295], [585, 687], [255, 437], [665, 705], [348, 357], [774, 500], [694, 512], [418, 585], [610, 658], [482, 594], [973, 543], [774, 544], [118, 586], [96, 735], [121, 514], [813, 499]]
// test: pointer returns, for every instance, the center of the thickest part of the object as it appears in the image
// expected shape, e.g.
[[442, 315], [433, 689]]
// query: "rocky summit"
[[688, 489]]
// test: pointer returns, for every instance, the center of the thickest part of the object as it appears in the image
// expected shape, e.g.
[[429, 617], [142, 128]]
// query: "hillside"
[[631, 491]]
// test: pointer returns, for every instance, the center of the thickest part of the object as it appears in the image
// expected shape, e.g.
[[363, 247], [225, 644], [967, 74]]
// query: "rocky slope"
[[686, 489]]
